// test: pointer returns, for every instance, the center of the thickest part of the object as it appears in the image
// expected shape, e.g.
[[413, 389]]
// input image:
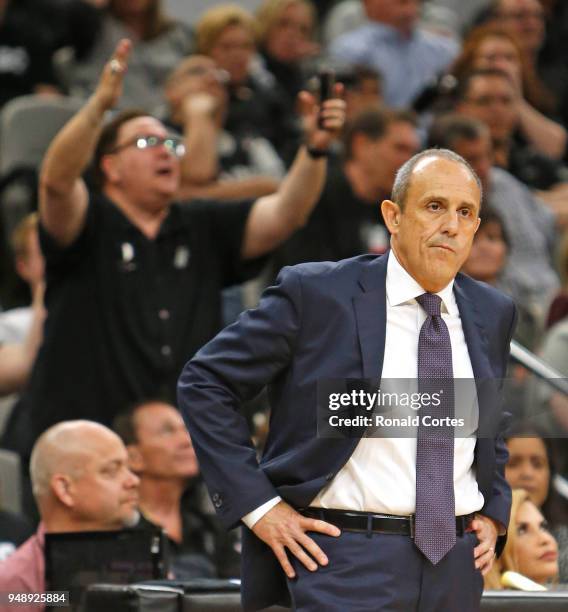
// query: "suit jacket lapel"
[[371, 316], [474, 331]]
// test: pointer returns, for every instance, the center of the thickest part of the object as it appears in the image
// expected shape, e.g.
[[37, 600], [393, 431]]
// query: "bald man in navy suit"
[[330, 523]]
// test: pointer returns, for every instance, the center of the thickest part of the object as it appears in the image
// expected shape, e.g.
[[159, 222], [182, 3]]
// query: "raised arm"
[[274, 218], [232, 189], [63, 195], [545, 135]]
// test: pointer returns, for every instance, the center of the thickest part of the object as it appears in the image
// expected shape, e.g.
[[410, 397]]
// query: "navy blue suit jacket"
[[320, 320]]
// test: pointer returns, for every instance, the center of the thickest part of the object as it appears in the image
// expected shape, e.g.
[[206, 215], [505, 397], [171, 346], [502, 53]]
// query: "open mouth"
[[164, 172]]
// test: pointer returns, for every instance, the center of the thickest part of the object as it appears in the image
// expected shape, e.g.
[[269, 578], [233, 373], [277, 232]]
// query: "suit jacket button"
[[329, 476]]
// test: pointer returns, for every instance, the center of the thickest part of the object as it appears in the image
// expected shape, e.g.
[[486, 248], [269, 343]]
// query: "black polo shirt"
[[125, 313], [340, 226]]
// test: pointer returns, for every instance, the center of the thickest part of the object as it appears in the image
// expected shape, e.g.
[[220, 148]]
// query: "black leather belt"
[[368, 522]]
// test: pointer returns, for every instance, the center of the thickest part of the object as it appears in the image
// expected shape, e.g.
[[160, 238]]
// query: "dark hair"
[[465, 80], [373, 123], [488, 215], [449, 128], [107, 140], [554, 508], [534, 90], [123, 424], [353, 76], [404, 174]]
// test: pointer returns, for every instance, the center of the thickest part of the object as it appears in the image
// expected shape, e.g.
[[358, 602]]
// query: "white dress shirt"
[[380, 475]]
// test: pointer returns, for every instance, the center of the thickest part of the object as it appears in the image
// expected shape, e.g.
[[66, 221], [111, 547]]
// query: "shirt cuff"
[[253, 517]]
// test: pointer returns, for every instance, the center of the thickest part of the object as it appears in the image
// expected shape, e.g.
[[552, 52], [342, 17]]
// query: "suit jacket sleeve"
[[231, 368], [498, 507]]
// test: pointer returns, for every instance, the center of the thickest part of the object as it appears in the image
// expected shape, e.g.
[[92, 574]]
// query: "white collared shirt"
[[380, 475]]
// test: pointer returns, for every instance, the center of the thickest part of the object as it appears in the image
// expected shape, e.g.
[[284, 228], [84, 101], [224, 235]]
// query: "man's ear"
[[391, 214], [61, 487], [135, 459], [109, 168]]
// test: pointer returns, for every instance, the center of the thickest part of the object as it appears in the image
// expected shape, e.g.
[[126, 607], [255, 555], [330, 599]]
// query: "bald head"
[[66, 448], [406, 171]]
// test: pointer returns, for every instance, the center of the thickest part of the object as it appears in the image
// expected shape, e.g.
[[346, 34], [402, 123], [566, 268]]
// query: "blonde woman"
[[531, 549], [286, 41]]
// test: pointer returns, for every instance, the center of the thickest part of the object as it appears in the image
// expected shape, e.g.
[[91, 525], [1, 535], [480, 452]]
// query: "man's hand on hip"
[[484, 553], [282, 527]]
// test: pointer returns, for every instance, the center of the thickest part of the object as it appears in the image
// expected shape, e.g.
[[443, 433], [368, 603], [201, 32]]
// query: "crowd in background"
[[231, 96]]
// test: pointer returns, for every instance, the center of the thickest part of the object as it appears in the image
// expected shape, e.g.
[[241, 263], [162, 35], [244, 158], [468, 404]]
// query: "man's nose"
[[132, 481], [451, 223]]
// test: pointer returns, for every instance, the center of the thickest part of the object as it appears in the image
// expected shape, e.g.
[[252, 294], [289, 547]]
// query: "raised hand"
[[332, 114], [109, 88]]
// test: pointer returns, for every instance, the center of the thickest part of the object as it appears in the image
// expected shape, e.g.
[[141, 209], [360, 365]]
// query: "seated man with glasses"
[[488, 95], [133, 278]]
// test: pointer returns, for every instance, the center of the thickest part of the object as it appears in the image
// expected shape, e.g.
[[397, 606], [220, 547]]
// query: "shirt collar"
[[402, 288]]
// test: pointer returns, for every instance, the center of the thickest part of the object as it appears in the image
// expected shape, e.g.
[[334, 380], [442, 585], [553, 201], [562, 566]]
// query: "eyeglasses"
[[489, 100], [173, 144]]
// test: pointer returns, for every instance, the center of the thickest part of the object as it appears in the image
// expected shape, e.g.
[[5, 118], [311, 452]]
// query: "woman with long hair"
[[532, 466], [494, 47], [531, 549]]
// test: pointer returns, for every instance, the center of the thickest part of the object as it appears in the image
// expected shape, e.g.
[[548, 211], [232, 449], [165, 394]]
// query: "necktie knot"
[[431, 303]]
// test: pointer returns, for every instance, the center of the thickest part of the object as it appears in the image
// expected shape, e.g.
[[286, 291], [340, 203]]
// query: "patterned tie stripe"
[[435, 529]]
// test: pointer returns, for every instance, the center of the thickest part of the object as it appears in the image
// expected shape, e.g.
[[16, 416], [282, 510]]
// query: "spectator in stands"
[[81, 482], [407, 57], [159, 44], [525, 19], [363, 88], [489, 250], [529, 274], [490, 96], [552, 65], [29, 263], [347, 220], [134, 280], [218, 164], [494, 47], [17, 358], [531, 549], [227, 33], [559, 307], [25, 55], [487, 261], [532, 466], [162, 456], [286, 40]]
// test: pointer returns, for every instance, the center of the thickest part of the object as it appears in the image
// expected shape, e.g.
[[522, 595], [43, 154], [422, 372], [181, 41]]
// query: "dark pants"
[[387, 573]]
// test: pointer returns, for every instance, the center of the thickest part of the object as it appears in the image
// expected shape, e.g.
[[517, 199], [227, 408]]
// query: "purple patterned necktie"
[[435, 529]]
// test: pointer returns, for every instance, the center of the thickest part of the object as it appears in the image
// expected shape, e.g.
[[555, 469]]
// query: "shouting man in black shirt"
[[133, 279]]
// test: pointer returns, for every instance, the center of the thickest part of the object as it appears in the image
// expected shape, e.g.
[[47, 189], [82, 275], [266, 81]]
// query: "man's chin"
[[132, 519]]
